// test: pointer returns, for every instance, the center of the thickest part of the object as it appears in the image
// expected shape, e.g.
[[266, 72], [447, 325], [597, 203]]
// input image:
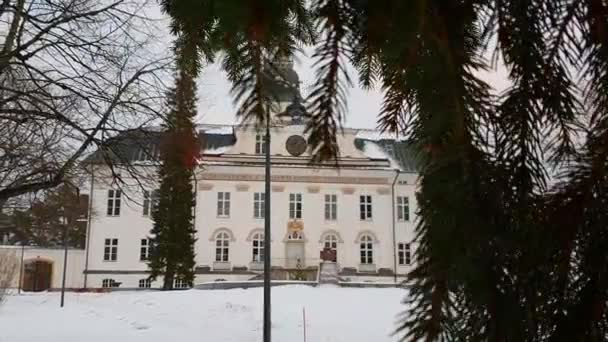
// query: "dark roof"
[[127, 147], [141, 145], [402, 152]]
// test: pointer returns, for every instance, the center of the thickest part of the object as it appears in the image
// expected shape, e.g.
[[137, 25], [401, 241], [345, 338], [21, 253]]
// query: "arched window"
[[258, 247], [366, 248], [330, 241], [222, 243]]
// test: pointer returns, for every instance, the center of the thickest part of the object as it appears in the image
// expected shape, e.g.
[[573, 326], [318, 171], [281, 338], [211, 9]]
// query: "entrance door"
[[331, 243], [37, 275], [295, 250], [295, 254]]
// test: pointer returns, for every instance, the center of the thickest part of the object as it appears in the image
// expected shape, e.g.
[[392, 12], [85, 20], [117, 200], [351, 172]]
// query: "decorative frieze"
[[294, 178]]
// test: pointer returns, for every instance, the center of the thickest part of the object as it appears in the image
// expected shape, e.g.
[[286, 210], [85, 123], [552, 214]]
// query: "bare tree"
[[72, 73], [9, 265]]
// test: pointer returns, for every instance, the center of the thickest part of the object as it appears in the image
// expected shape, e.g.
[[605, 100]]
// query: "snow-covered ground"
[[332, 315]]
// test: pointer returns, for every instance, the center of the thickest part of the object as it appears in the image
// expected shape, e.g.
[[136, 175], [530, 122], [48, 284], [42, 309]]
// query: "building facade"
[[363, 210]]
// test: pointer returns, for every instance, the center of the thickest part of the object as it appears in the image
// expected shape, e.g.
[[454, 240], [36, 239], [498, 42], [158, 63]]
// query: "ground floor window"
[[366, 249], [180, 284], [258, 247], [108, 283], [145, 283]]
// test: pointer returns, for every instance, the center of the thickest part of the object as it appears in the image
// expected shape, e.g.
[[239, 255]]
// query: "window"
[[259, 198], [295, 206], [108, 282], [331, 207], [403, 208], [180, 284], [258, 247], [223, 204], [365, 206], [260, 144], [150, 202], [404, 254], [113, 202], [222, 243], [148, 153], [145, 283], [366, 249], [144, 250], [331, 242], [110, 249]]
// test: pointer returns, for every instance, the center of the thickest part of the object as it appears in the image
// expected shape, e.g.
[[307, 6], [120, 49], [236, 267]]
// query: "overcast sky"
[[216, 105]]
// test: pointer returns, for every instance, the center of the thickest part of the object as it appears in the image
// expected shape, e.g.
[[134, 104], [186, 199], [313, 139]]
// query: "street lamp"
[[267, 315], [64, 222]]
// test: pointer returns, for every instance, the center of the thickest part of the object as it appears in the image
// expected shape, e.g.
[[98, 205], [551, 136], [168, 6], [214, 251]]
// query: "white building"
[[364, 210]]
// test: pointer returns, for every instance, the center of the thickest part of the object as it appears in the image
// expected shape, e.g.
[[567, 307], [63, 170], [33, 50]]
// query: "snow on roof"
[[217, 129], [217, 150], [374, 151], [372, 134]]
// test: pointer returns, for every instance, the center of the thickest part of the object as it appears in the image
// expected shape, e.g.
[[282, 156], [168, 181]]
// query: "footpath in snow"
[[332, 315]]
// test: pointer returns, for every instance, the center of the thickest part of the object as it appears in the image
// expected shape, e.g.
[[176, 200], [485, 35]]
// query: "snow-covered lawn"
[[332, 315]]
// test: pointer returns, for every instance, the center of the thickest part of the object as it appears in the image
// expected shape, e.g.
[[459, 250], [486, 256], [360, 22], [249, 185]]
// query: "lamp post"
[[64, 222], [267, 315]]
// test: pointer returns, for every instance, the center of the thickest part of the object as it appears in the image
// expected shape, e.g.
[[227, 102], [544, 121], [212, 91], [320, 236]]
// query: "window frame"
[[222, 247], [146, 282], [259, 205], [149, 152], [113, 202], [404, 254], [150, 202], [295, 205], [331, 207], [179, 283], [366, 250], [260, 144], [108, 283], [257, 247], [110, 250], [403, 208], [223, 204], [144, 249], [330, 241], [365, 207]]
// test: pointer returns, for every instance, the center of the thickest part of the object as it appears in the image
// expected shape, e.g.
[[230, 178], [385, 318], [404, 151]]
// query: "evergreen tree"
[[173, 233], [505, 253]]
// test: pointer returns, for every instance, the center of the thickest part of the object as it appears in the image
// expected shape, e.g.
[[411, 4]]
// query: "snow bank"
[[332, 315]]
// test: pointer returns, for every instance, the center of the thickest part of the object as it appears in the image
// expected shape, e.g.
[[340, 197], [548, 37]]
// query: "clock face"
[[296, 145]]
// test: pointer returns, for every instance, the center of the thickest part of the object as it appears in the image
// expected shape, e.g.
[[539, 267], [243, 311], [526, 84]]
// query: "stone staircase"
[[328, 273]]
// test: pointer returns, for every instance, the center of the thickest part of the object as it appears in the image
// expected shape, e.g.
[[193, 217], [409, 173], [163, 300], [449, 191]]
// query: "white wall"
[[75, 265]]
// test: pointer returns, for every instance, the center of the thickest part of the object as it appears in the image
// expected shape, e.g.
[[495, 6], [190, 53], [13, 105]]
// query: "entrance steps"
[[328, 273]]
